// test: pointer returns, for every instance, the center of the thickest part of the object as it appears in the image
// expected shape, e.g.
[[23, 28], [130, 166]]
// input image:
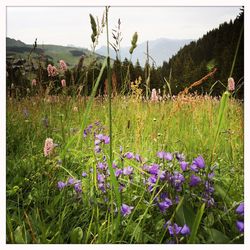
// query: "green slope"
[[54, 53]]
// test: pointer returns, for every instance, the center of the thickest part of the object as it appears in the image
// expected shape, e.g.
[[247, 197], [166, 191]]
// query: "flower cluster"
[[175, 230], [71, 182], [93, 129], [63, 65], [48, 147], [52, 70]]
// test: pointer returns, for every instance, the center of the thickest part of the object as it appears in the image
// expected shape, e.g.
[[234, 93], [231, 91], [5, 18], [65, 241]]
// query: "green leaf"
[[76, 235], [217, 236], [222, 193], [209, 220], [196, 224], [18, 234]]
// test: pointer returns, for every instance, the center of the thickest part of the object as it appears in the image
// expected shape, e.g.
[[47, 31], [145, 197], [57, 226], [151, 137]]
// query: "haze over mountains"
[[160, 50]]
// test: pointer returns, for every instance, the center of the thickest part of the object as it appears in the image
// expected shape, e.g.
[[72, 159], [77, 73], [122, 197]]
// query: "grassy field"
[[45, 205]]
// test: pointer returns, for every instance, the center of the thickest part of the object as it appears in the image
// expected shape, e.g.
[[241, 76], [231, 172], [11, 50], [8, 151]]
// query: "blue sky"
[[70, 25]]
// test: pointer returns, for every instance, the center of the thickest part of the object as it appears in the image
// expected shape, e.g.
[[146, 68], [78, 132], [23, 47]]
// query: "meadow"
[[40, 210], [121, 168]]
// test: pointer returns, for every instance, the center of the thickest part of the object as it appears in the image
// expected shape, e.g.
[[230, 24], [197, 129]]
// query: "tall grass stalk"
[[112, 174], [224, 99]]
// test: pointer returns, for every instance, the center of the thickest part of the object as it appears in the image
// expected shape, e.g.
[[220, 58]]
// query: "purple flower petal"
[[78, 187], [160, 154], [194, 180], [240, 209], [70, 181], [118, 172], [126, 210], [164, 205], [174, 230], [61, 185], [129, 155], [184, 165], [84, 174], [168, 156], [128, 170], [240, 226], [185, 230], [199, 162], [153, 169]]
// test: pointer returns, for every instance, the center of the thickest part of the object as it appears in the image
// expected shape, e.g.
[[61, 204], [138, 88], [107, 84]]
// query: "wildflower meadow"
[[91, 161]]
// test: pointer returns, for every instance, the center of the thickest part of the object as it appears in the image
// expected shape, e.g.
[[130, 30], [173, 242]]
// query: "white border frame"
[[5, 3]]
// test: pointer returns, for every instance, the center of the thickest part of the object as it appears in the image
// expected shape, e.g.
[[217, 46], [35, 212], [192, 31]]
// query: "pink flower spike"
[[48, 147], [63, 65], [231, 84], [63, 82]]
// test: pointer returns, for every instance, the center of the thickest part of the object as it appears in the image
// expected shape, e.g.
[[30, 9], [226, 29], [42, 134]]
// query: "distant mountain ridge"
[[71, 55], [160, 50]]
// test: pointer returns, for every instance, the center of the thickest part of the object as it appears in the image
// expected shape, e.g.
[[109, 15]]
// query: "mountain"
[[54, 53], [160, 50]]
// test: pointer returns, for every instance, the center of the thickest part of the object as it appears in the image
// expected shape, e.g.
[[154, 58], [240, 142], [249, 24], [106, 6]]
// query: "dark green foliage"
[[215, 49]]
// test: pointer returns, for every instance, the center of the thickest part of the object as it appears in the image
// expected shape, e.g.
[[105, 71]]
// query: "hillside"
[[216, 49], [53, 53], [160, 50]]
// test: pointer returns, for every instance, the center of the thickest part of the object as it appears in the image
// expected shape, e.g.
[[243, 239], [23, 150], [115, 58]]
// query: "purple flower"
[[208, 187], [165, 155], [97, 142], [138, 158], [180, 157], [164, 205], [162, 174], [153, 169], [121, 187], [128, 170], [177, 179], [106, 139], [174, 230], [211, 175], [185, 230], [99, 137], [145, 167], [194, 168], [160, 154], [98, 149], [168, 156], [240, 209], [184, 165], [114, 165], [101, 165], [129, 155], [102, 187], [199, 162], [100, 178], [240, 226], [152, 179], [61, 185], [85, 133], [78, 187], [126, 210], [84, 174], [118, 172], [194, 180], [70, 181]]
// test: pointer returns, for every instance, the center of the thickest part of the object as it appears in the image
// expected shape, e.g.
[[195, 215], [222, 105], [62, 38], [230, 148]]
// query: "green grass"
[[37, 212]]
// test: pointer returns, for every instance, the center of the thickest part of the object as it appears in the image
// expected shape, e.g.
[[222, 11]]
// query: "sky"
[[71, 25]]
